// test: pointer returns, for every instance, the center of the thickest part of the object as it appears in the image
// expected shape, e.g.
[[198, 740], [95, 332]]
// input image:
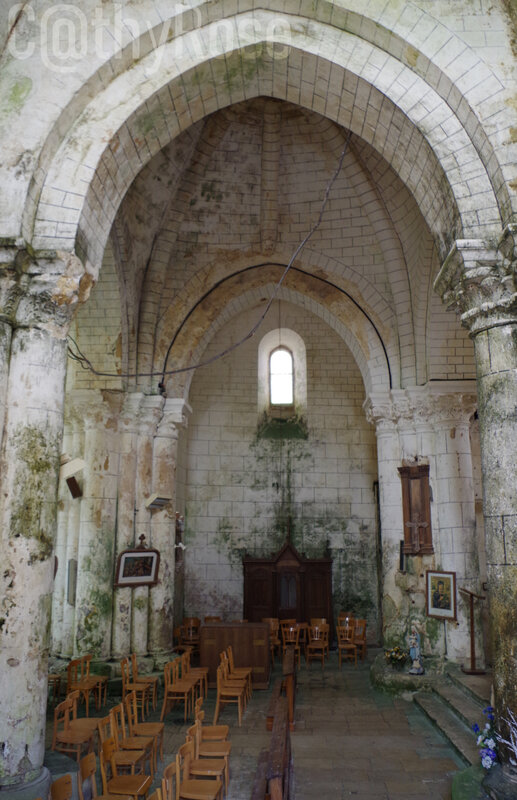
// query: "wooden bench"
[[273, 776], [287, 684]]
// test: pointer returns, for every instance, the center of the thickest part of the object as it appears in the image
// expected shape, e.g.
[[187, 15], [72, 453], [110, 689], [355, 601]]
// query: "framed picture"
[[441, 594], [137, 567]]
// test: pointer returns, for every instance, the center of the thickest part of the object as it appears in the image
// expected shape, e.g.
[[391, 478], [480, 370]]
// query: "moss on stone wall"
[[32, 515]]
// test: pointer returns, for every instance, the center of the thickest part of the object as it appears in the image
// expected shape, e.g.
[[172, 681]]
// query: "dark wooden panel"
[[258, 593], [288, 585], [416, 508], [250, 643]]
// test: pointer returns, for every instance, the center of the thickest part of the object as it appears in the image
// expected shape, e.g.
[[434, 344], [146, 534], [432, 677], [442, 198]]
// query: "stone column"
[[163, 525], [454, 511], [59, 594], [39, 300], [73, 526], [380, 411], [426, 424], [478, 280], [149, 417], [126, 511], [5, 350], [96, 551]]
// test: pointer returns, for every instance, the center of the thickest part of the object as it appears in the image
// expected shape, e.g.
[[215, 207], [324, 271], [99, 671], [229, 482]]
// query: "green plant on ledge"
[[396, 656]]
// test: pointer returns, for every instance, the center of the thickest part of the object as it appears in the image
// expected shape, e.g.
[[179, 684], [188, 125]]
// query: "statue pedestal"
[[500, 783]]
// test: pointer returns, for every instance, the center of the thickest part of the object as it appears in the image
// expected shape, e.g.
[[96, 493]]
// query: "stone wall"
[[241, 487]]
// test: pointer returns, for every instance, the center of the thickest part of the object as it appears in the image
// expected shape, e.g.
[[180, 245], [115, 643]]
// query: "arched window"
[[282, 374], [281, 377]]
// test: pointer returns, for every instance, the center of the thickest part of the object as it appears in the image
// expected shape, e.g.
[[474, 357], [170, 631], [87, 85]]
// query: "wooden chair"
[[79, 679], [152, 681], [360, 637], [244, 673], [274, 638], [62, 788], [345, 643], [214, 749], [86, 723], [154, 729], [318, 621], [233, 680], [345, 617], [101, 682], [187, 787], [291, 638], [125, 741], [190, 633], [318, 643], [156, 795], [113, 783], [210, 733], [197, 674], [132, 761], [70, 738], [141, 689], [87, 785], [228, 693], [204, 767], [176, 690]]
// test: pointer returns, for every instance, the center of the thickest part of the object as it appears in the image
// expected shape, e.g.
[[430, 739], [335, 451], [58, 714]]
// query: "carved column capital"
[[379, 411], [176, 413], [41, 290], [478, 279], [422, 406]]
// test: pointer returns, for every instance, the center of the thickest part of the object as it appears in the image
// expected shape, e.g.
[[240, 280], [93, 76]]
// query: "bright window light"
[[281, 377]]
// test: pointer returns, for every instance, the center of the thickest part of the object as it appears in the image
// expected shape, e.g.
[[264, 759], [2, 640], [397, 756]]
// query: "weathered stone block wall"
[[241, 488], [97, 331]]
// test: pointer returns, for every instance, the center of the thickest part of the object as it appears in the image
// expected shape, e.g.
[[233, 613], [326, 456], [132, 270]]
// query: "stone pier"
[[38, 300], [478, 280]]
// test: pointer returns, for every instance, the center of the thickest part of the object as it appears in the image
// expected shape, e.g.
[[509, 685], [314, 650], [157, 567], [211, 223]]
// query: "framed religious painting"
[[138, 567], [441, 594]]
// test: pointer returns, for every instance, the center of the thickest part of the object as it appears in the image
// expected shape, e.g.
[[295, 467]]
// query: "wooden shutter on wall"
[[416, 505]]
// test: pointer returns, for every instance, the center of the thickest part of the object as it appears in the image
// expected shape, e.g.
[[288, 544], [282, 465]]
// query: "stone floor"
[[350, 740]]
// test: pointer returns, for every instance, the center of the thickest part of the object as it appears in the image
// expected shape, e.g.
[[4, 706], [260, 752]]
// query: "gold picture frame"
[[441, 594]]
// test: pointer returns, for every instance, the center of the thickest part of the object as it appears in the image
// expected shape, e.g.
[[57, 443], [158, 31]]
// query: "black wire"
[[85, 363]]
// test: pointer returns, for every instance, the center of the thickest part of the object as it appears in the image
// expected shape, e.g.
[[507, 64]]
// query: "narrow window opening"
[[281, 377]]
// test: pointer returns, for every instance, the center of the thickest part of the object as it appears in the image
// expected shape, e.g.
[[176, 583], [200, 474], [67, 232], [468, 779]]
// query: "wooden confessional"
[[287, 585]]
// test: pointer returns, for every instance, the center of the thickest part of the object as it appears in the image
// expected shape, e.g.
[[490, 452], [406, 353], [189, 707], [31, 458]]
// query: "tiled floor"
[[350, 740]]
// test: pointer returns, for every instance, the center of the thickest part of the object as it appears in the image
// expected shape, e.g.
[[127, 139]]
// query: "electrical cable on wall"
[[78, 356]]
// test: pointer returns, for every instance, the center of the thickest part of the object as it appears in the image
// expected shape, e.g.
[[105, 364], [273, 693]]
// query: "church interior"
[[258, 334]]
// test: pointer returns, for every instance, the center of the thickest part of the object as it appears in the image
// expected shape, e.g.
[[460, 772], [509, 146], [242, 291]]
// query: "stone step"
[[453, 728], [477, 686], [466, 706]]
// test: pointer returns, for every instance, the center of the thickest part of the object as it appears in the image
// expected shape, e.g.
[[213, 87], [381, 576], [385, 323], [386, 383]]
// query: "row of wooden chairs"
[[80, 679], [145, 686], [205, 754], [234, 684], [183, 683], [315, 642], [71, 735]]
